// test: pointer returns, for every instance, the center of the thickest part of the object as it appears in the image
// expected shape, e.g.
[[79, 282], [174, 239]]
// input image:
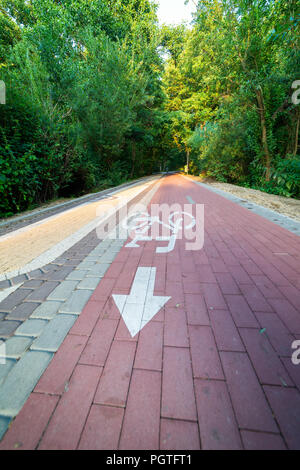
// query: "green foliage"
[[230, 93], [286, 177], [83, 96], [92, 100]]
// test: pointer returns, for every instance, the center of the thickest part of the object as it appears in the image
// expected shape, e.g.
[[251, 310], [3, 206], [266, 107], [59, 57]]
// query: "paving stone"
[[268, 289], [18, 436], [175, 291], [84, 250], [292, 293], [262, 441], [115, 249], [225, 331], [92, 258], [76, 302], [126, 278], [63, 291], [49, 268], [16, 346], [205, 358], [213, 296], [274, 275], [241, 312], [19, 279], [278, 334], [35, 274], [14, 299], [123, 333], [22, 311], [61, 261], [105, 243], [231, 260], [251, 267], [118, 243], [293, 370], [175, 331], [267, 365], [72, 262], [114, 382], [255, 298], [227, 283], [104, 289], [41, 293], [251, 408], [55, 379], [217, 424], [191, 287], [98, 270], [239, 274], [178, 398], [196, 310], [150, 347], [5, 284], [4, 425], [285, 403], [32, 284], [47, 310], [5, 368], [143, 406], [178, 435], [218, 265], [107, 258], [206, 274], [86, 265], [98, 250], [287, 313], [96, 352], [72, 410], [21, 380], [89, 283], [76, 256], [54, 333], [102, 417], [60, 274], [7, 328], [88, 318], [32, 328], [173, 272], [77, 275], [114, 270]]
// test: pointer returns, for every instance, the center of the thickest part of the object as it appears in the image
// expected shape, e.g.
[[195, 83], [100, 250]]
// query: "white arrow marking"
[[140, 306]]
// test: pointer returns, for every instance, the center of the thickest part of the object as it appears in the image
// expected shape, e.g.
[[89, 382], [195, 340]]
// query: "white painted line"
[[288, 223], [57, 250], [140, 306], [67, 211]]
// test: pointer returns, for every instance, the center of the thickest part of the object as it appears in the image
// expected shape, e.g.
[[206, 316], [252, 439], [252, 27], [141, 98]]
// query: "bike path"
[[211, 369]]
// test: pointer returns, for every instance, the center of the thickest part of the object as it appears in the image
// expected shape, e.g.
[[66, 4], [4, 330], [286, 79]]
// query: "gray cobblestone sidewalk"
[[36, 317]]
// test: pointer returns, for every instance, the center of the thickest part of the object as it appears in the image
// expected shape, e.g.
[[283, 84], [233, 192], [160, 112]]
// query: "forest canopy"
[[98, 93]]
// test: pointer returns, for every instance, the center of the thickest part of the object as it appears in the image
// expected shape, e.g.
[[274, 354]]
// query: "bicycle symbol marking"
[[143, 222]]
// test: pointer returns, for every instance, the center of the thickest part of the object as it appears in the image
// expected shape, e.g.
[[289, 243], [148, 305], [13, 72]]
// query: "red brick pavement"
[[212, 370]]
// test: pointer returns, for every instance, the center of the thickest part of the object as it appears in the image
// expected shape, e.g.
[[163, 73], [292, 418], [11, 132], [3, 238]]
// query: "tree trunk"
[[133, 158], [297, 134], [188, 160], [262, 114]]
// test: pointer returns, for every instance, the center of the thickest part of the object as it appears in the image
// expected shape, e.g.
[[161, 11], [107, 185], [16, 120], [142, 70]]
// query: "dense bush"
[[229, 90], [83, 96]]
